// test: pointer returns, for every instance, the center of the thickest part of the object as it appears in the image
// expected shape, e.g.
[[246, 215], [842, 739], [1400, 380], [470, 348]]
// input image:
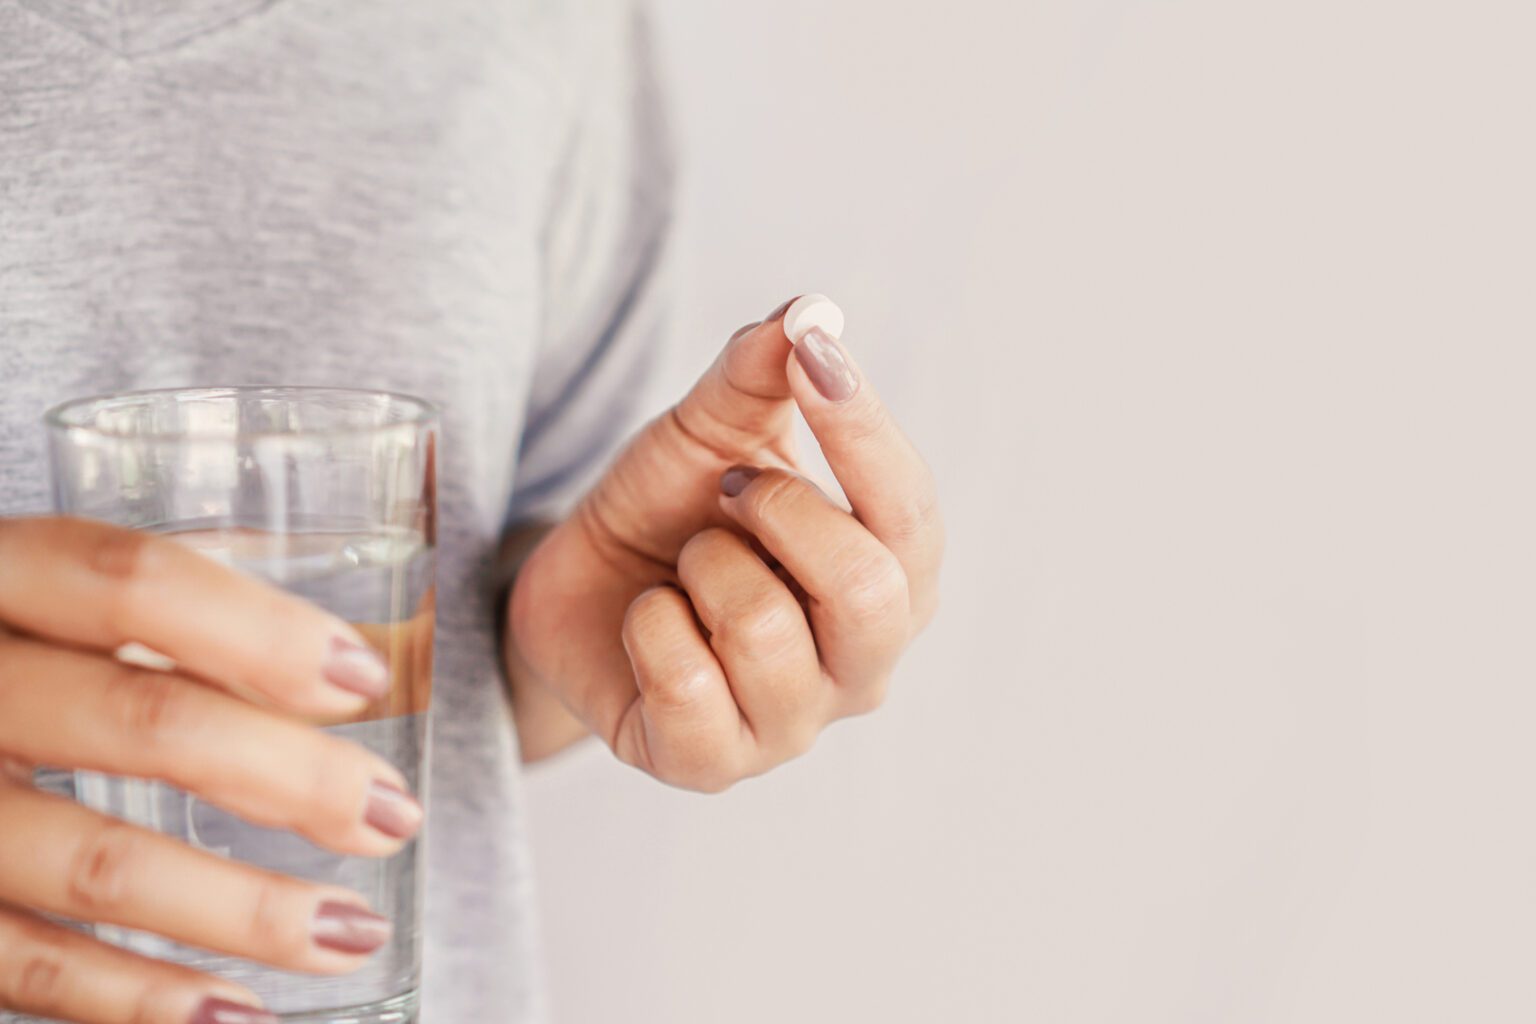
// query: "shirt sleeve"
[[605, 258]]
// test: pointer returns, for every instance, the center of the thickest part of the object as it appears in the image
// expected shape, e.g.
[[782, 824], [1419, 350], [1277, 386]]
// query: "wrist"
[[544, 726]]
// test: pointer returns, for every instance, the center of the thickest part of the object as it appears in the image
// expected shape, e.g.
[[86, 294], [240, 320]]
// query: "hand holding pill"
[[709, 609]]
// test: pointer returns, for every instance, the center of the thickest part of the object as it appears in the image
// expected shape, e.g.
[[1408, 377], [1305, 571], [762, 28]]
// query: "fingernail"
[[348, 929], [222, 1011], [824, 362], [778, 310], [735, 480], [745, 328], [392, 811], [356, 668]]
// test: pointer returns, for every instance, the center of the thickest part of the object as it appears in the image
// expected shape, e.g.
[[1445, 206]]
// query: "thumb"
[[664, 488], [744, 397]]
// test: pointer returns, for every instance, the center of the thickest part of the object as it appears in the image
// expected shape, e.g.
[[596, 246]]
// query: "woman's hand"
[[708, 610], [71, 593]]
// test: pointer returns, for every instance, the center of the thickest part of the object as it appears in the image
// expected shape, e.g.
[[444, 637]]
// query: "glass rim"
[[422, 413]]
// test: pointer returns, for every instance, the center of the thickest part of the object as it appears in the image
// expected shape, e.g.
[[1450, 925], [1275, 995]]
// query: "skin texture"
[[228, 724], [707, 611], [708, 636]]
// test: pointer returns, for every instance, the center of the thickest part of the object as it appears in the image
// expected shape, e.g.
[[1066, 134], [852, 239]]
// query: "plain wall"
[[1216, 321]]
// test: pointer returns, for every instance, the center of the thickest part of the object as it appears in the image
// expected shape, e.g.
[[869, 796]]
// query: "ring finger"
[[759, 632], [50, 971], [859, 604], [115, 873]]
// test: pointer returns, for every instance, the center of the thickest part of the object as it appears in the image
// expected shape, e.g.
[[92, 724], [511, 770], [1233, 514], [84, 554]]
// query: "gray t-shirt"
[[458, 199]]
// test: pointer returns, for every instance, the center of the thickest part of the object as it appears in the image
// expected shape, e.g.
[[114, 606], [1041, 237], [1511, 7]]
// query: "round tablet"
[[812, 311]]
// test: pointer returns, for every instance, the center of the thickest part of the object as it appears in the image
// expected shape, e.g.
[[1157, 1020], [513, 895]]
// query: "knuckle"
[[763, 631], [772, 495], [38, 988], [800, 742], [336, 774], [270, 930], [797, 739], [151, 708], [680, 686], [37, 982], [120, 554], [101, 874], [874, 589], [700, 548], [650, 613], [919, 519], [162, 1000], [271, 615], [150, 1005], [865, 699], [866, 423], [714, 783], [703, 769], [704, 761], [125, 559]]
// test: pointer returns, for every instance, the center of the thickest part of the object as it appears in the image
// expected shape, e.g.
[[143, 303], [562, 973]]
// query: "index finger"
[[100, 586], [887, 483]]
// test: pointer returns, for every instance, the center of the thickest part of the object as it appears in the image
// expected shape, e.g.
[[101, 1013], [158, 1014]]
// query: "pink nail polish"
[[356, 668], [736, 479], [392, 811], [826, 365], [348, 929]]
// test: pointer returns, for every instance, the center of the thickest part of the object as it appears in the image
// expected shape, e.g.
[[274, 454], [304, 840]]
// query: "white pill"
[[812, 311]]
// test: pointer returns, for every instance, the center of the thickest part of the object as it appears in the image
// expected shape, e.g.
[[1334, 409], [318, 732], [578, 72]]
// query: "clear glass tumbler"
[[328, 493]]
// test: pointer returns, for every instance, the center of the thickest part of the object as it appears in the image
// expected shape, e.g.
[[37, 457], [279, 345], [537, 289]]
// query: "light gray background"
[[1216, 320]]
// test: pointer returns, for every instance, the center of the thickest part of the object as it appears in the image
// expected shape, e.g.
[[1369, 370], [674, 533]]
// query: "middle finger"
[[71, 861], [858, 590], [70, 709], [759, 632]]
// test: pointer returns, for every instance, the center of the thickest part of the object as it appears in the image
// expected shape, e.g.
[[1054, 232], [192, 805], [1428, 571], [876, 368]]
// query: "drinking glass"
[[329, 494]]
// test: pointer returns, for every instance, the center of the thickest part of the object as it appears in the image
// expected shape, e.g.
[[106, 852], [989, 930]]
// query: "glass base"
[[401, 1009]]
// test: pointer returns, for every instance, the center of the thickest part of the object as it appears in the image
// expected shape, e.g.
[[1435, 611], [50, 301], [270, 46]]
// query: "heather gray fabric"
[[460, 199]]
